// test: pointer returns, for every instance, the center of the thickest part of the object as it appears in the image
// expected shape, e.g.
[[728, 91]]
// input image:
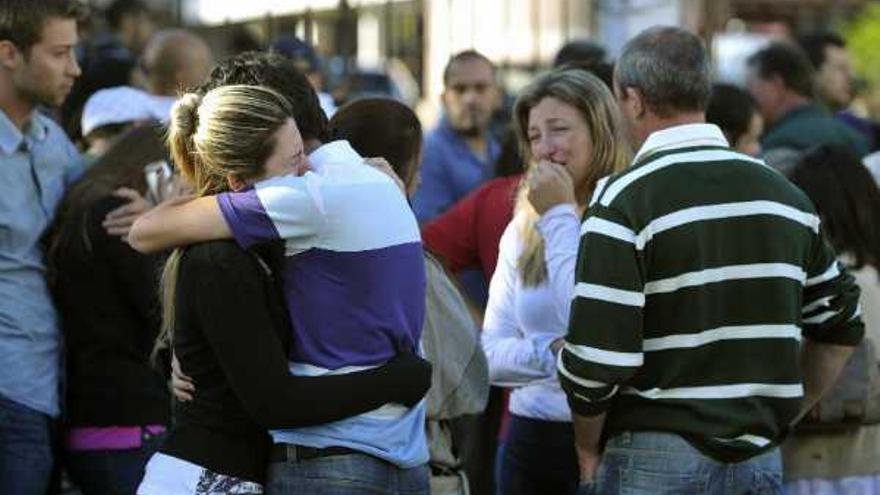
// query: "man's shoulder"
[[436, 150], [662, 171], [690, 154], [434, 139], [804, 127]]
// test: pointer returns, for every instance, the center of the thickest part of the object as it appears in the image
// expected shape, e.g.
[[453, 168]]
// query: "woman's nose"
[[542, 148]]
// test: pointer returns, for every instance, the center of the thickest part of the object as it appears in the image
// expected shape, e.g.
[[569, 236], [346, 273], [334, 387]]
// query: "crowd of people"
[[217, 280]]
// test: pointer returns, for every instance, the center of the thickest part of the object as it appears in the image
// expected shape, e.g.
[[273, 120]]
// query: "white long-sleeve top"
[[522, 322]]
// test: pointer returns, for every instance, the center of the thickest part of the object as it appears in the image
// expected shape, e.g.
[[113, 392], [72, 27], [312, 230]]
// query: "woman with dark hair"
[[735, 112], [382, 127], [117, 403], [836, 450], [460, 381]]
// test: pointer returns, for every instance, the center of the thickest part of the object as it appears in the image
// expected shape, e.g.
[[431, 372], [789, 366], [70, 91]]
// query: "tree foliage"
[[863, 41]]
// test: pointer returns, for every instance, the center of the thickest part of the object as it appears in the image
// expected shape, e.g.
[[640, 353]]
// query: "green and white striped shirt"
[[699, 271]]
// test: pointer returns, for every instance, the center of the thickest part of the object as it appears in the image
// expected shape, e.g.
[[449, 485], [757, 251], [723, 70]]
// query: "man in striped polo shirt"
[[709, 314]]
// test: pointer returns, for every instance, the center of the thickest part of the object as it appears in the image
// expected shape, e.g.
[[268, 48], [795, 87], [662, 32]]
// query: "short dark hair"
[[22, 21], [846, 198], [280, 74], [381, 127], [731, 109], [788, 62], [589, 56], [580, 52], [510, 159], [465, 56], [670, 67], [814, 45], [120, 9]]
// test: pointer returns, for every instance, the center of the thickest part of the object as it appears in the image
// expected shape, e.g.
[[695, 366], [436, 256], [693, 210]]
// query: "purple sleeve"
[[247, 218]]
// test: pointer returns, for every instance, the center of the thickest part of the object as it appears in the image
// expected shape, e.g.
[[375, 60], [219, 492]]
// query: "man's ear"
[[636, 101], [235, 182], [10, 55]]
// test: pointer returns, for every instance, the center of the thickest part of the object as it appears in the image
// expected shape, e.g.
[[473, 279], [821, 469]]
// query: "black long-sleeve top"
[[105, 293], [229, 327]]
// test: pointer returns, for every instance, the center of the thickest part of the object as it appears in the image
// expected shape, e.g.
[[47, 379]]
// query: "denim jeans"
[[650, 463], [539, 458], [111, 472], [353, 474], [25, 449]]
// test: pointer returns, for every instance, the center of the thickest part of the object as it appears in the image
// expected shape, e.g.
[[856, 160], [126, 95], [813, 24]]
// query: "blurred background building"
[[399, 47]]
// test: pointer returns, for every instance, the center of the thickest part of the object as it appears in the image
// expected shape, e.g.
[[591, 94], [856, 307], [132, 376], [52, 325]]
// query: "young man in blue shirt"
[[37, 162]]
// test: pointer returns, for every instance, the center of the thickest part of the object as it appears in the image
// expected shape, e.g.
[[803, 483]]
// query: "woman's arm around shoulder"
[[229, 293]]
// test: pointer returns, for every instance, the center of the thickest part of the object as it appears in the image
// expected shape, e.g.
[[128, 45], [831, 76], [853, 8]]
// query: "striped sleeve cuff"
[[585, 397], [831, 312]]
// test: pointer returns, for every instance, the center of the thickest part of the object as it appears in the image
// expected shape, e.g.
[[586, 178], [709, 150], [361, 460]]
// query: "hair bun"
[[185, 114]]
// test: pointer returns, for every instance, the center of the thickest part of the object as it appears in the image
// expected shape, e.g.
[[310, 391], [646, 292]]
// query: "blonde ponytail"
[[183, 126], [530, 265], [168, 287], [227, 132]]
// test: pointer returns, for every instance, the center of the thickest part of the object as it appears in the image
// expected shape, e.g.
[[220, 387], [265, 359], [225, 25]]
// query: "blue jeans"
[[25, 449], [539, 458], [354, 474], [111, 472], [649, 463]]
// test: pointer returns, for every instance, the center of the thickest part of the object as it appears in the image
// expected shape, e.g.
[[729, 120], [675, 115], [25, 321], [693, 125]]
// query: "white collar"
[[682, 136], [339, 151]]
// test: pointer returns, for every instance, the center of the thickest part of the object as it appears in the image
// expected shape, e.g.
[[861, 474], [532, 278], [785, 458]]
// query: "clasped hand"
[[550, 184]]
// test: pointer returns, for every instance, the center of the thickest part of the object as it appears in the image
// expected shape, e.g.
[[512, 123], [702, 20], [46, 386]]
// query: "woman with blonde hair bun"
[[570, 131], [226, 321]]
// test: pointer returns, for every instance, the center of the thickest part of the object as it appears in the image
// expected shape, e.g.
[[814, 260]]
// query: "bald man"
[[173, 61]]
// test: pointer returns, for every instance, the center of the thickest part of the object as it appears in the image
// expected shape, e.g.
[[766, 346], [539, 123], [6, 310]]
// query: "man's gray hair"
[[671, 69]]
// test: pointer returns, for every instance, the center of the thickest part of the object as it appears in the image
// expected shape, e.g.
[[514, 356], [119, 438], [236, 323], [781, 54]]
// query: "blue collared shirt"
[[35, 168], [450, 170]]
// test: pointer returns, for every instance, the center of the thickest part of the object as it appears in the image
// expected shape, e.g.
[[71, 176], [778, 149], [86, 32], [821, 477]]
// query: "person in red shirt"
[[468, 233]]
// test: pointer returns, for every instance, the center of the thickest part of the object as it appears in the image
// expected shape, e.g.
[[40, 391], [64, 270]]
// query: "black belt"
[[284, 452]]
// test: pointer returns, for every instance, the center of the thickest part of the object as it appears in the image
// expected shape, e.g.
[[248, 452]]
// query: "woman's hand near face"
[[550, 184]]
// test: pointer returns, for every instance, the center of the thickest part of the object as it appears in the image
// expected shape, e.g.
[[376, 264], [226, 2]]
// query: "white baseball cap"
[[117, 105]]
